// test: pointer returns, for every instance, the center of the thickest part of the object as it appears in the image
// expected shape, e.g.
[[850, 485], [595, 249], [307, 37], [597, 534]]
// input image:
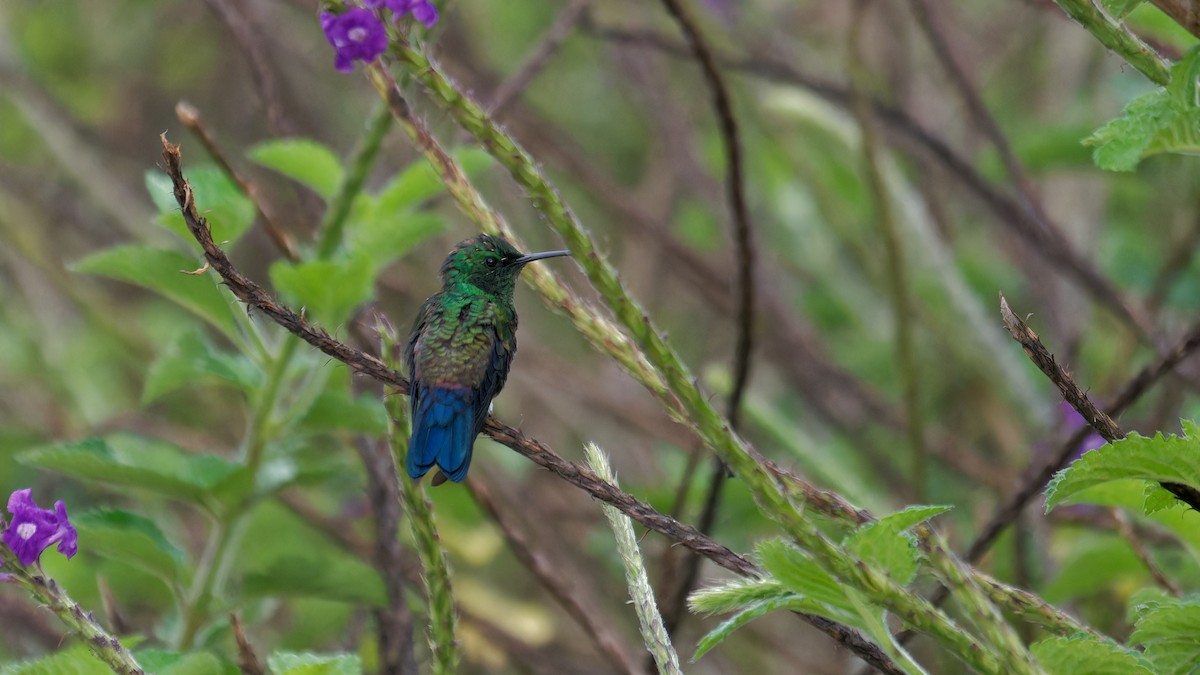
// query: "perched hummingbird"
[[460, 351]]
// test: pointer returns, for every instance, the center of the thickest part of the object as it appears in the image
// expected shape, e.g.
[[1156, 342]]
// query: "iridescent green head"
[[488, 263]]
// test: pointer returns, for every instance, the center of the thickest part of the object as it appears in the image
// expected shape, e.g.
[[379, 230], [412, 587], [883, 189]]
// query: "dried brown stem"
[[560, 588], [735, 185], [190, 117], [1009, 213], [253, 295], [248, 661], [1125, 529], [393, 621], [248, 36], [1101, 422], [551, 40]]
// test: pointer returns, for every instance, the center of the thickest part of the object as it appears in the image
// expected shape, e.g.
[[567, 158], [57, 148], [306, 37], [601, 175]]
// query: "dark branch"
[[253, 295]]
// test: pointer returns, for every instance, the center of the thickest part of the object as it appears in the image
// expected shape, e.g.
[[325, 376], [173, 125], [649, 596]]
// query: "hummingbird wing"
[[458, 358]]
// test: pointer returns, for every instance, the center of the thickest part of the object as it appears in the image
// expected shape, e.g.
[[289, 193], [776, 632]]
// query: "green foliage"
[[1167, 120], [1087, 655], [191, 359], [305, 161], [291, 663], [126, 460], [887, 545], [1169, 630], [134, 539], [162, 272], [1163, 458], [327, 289], [228, 212], [327, 577]]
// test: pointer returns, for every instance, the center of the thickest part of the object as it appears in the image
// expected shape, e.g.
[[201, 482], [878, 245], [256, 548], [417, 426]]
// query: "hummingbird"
[[460, 351]]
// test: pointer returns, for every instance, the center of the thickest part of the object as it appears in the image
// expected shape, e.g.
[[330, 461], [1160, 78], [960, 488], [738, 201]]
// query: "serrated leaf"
[[74, 660], [330, 289], [418, 182], [135, 461], [885, 544], [1170, 633], [130, 538], [1167, 120], [228, 212], [160, 271], [337, 410], [1083, 654], [307, 663], [1174, 459], [305, 161], [1158, 499], [192, 358], [384, 238], [327, 578], [728, 626], [173, 663], [801, 574]]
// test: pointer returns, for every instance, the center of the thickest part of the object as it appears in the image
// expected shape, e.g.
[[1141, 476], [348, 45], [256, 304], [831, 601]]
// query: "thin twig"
[[897, 272], [253, 295], [559, 587], [1125, 529], [735, 185], [537, 59], [1009, 213], [267, 84], [248, 661], [393, 621], [190, 117], [1101, 422]]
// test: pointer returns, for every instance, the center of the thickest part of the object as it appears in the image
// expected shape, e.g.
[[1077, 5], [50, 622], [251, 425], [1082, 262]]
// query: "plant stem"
[[362, 158], [442, 618], [102, 644]]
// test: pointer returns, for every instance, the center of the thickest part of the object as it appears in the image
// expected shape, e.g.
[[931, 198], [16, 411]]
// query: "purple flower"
[[356, 35], [34, 529], [422, 10], [1073, 421]]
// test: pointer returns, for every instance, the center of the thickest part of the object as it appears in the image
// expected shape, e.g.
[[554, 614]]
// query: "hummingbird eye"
[[491, 262]]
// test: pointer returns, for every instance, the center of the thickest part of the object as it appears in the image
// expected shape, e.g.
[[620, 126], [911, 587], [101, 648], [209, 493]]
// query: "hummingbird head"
[[488, 263]]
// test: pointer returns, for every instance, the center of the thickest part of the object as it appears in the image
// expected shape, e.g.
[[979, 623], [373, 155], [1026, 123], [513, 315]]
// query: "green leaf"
[[1082, 654], [1170, 633], [337, 410], [419, 182], [330, 289], [726, 628], [327, 577], [219, 201], [135, 461], [1174, 459], [160, 271], [1095, 562], [1121, 8], [382, 239], [886, 545], [801, 574], [74, 660], [132, 539], [735, 595], [173, 663], [303, 160], [1158, 499], [191, 358], [1167, 120], [307, 663]]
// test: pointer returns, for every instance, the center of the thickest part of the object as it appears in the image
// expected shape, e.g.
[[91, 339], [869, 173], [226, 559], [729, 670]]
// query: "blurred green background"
[[624, 127]]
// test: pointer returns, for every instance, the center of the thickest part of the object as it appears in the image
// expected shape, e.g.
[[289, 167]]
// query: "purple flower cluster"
[[358, 33], [34, 529]]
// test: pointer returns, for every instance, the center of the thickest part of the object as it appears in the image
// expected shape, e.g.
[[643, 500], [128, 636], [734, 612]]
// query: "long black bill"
[[530, 257]]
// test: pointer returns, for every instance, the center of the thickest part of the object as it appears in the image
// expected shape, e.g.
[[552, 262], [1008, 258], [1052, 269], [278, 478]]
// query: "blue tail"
[[443, 432]]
